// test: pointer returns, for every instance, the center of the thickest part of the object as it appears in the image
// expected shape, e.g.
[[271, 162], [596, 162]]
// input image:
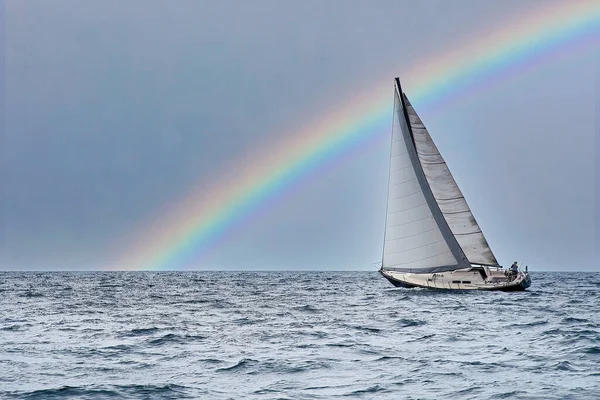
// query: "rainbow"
[[192, 224]]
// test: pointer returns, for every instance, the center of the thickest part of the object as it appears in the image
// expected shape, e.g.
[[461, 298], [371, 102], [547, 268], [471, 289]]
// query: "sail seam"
[[400, 169], [420, 219], [418, 247], [406, 209], [426, 258], [455, 212], [401, 197], [432, 163], [470, 233], [452, 198], [400, 183], [416, 234]]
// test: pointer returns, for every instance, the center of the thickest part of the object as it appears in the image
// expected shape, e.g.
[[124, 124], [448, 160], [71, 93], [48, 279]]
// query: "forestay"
[[422, 235]]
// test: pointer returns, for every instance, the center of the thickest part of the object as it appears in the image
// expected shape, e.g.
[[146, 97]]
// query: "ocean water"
[[293, 335]]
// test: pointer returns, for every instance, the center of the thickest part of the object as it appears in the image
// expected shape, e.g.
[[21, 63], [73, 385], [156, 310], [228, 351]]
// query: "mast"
[[387, 202]]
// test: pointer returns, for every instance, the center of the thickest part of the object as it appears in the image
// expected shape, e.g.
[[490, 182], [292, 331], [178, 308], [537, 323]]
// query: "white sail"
[[417, 237], [448, 196]]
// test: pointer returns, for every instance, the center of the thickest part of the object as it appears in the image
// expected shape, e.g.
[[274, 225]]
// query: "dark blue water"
[[282, 335]]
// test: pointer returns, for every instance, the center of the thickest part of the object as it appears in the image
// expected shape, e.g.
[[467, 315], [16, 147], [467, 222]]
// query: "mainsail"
[[429, 226]]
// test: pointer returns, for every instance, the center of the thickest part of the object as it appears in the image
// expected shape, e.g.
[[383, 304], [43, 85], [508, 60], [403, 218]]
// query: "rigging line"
[[406, 237], [414, 248], [420, 219]]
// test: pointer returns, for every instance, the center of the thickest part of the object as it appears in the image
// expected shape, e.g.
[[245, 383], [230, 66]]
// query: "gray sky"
[[113, 110]]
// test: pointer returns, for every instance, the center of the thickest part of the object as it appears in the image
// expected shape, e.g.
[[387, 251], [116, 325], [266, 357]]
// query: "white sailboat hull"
[[477, 278]]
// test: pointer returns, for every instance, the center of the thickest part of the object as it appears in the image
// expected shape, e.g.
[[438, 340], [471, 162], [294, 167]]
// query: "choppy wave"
[[220, 335]]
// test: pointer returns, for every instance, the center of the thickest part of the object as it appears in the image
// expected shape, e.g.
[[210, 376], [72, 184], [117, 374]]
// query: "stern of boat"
[[517, 284]]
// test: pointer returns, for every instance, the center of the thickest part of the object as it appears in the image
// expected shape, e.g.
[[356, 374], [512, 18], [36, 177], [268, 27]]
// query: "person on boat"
[[514, 270]]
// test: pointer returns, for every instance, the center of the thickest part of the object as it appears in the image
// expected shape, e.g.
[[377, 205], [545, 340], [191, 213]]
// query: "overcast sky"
[[116, 109]]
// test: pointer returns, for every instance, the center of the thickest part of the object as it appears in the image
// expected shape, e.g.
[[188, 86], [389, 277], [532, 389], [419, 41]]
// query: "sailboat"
[[431, 238]]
